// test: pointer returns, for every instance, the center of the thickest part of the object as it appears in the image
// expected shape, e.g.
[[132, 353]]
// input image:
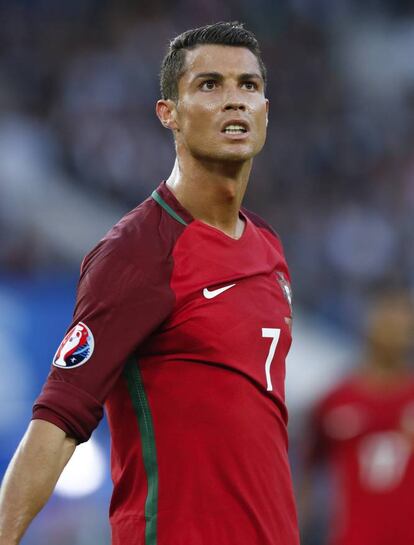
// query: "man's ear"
[[267, 111], [167, 114]]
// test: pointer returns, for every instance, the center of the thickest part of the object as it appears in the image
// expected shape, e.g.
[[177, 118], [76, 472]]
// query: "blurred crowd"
[[336, 179]]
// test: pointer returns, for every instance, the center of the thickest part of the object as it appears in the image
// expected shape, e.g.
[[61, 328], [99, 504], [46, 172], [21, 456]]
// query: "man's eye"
[[208, 85], [250, 85]]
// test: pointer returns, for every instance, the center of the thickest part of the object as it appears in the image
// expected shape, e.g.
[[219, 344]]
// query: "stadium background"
[[80, 145]]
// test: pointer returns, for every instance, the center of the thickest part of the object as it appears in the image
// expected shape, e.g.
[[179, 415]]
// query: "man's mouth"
[[235, 129], [235, 126]]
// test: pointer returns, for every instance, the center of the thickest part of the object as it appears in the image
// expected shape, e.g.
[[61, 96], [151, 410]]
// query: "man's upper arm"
[[123, 295]]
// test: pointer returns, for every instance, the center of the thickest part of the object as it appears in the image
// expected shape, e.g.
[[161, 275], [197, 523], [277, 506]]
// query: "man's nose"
[[234, 105], [234, 99]]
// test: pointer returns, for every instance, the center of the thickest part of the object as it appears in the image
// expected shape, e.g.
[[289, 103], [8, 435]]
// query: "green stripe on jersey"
[[157, 197], [149, 454]]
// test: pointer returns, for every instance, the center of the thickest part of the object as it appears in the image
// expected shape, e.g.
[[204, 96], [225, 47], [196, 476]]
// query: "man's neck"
[[211, 192], [384, 369]]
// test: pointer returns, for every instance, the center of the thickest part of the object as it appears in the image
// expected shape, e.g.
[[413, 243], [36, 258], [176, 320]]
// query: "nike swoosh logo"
[[210, 294]]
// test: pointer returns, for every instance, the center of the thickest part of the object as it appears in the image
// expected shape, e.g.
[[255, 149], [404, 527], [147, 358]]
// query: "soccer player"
[[181, 329], [364, 430]]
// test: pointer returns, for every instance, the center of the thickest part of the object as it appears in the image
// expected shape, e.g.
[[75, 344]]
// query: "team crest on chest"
[[285, 287], [76, 348]]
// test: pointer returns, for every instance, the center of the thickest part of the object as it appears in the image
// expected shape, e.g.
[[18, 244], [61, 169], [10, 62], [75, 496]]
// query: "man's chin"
[[228, 156]]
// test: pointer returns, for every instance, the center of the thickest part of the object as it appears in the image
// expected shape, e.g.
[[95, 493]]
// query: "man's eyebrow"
[[212, 75], [252, 75], [218, 76]]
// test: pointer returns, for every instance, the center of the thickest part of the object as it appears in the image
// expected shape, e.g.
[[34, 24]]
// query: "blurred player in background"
[[181, 328], [364, 430]]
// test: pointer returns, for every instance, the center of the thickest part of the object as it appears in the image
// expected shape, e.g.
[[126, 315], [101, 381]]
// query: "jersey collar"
[[167, 200]]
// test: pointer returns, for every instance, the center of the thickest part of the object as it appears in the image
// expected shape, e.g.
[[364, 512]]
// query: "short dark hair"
[[222, 33]]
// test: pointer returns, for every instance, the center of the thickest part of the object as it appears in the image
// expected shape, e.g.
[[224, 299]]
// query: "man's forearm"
[[31, 477]]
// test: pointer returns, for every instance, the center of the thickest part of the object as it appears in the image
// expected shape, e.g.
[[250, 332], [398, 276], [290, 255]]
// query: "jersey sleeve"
[[266, 227], [123, 296]]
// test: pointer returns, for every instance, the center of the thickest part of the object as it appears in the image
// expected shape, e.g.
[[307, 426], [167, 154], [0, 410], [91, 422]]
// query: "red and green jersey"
[[181, 332], [366, 434]]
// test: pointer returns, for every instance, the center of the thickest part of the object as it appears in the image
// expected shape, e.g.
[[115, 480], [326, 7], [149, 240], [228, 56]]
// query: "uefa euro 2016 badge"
[[286, 289], [76, 348]]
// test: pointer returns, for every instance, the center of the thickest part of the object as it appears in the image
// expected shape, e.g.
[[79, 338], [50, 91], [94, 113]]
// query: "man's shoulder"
[[143, 235], [135, 228], [259, 222], [344, 391]]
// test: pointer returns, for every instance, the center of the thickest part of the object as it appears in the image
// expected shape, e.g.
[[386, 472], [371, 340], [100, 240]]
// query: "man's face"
[[221, 114], [392, 326]]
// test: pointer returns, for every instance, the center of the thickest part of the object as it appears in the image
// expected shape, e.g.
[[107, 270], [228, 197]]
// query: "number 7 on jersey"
[[274, 334]]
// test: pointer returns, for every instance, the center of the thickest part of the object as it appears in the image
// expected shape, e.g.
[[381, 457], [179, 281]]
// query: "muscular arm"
[[31, 477]]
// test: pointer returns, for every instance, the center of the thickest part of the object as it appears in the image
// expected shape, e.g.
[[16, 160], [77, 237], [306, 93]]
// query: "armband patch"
[[76, 348]]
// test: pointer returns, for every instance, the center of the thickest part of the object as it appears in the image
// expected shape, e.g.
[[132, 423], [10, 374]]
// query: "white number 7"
[[270, 333]]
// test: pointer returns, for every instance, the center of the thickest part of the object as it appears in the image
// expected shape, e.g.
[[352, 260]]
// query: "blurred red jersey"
[[182, 332], [367, 436]]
